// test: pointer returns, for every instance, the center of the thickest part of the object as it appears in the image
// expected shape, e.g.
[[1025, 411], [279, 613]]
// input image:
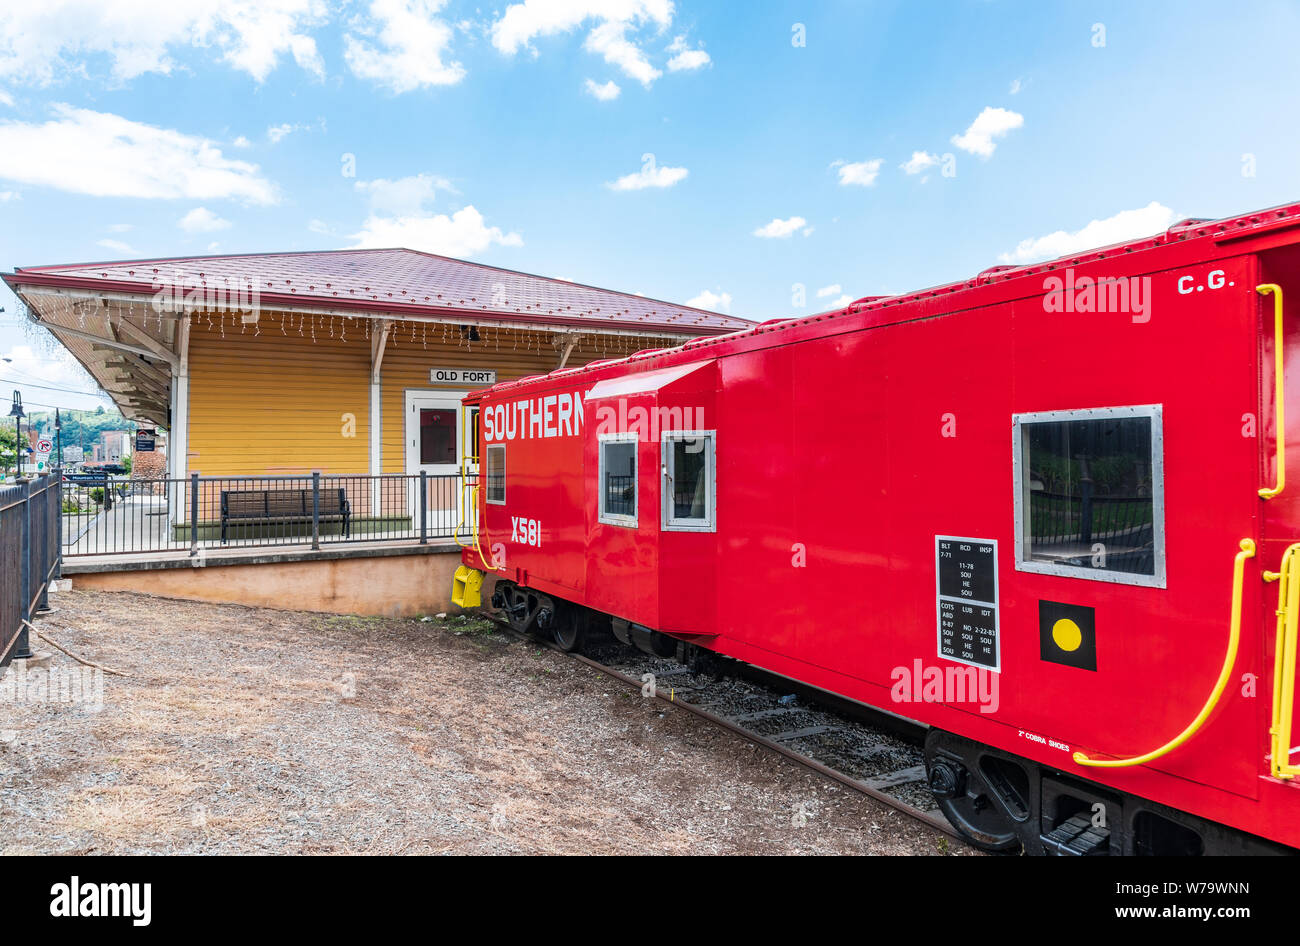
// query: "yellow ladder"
[[467, 584], [468, 493], [1284, 657]]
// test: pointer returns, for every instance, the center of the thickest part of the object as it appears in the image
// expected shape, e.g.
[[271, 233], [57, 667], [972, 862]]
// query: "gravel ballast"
[[244, 730]]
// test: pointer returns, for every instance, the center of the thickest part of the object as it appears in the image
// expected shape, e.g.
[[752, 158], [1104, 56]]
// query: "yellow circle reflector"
[[1066, 634]]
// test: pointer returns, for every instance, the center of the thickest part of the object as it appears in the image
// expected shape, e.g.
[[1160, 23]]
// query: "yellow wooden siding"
[[270, 403], [265, 402], [407, 363]]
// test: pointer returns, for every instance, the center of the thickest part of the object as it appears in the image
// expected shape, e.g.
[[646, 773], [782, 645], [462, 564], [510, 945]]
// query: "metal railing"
[[122, 515], [1069, 528], [1056, 518], [620, 495], [29, 557]]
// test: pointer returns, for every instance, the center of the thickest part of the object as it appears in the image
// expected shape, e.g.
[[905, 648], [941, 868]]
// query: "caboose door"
[[433, 439]]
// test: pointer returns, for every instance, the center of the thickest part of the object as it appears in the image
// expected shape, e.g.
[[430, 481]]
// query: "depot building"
[[342, 362]]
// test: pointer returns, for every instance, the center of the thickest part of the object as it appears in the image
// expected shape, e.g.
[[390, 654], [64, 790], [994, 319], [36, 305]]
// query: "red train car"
[[1042, 511]]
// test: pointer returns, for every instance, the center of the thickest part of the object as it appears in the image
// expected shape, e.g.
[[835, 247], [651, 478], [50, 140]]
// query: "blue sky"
[[137, 128]]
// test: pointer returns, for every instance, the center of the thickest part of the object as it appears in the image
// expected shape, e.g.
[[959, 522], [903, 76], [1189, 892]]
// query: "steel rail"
[[937, 822]]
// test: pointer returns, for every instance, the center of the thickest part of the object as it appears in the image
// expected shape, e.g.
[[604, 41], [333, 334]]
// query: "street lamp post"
[[16, 412]]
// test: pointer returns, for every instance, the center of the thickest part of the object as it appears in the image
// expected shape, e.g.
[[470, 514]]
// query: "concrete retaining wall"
[[391, 585]]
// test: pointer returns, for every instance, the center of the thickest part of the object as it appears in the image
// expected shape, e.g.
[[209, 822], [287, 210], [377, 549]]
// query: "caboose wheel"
[[567, 632], [965, 798]]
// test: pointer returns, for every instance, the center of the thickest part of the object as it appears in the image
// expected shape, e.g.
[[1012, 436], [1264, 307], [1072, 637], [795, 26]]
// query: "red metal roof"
[[400, 281]]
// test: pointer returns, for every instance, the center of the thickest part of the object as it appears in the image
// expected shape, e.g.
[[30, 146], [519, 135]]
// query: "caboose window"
[[689, 481], [618, 479], [1090, 494], [495, 474]]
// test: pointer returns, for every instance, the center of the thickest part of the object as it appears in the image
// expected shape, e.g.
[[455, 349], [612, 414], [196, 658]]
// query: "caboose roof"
[[1201, 237]]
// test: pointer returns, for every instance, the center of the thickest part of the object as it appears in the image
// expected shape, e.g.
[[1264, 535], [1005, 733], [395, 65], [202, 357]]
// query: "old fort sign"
[[477, 377]]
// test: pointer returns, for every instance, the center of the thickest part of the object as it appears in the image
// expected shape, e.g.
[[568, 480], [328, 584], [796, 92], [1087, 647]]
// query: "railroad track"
[[871, 752]]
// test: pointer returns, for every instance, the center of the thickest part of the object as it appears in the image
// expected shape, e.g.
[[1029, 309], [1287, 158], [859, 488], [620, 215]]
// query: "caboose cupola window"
[[690, 481], [1090, 494], [617, 479]]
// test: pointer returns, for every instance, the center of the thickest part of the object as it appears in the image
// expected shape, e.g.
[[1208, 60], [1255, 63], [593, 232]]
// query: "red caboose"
[[1042, 511]]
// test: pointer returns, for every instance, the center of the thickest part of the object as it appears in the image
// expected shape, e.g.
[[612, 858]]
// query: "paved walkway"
[[136, 522]]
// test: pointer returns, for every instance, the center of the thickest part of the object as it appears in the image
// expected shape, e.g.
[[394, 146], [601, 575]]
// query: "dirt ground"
[[243, 730]]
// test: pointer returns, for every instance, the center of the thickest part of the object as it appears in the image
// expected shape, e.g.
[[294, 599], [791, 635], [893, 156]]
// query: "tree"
[[82, 428], [8, 459]]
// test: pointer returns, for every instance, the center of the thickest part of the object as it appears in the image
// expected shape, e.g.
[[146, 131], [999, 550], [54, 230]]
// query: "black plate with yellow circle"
[[1067, 634]]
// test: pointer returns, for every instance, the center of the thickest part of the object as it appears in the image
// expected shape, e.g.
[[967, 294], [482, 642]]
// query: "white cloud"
[[405, 196], [1015, 87], [9, 195], [988, 124], [105, 155], [6, 98], [202, 220], [606, 92], [278, 133], [116, 245], [319, 226], [55, 368], [241, 142], [610, 41], [614, 19], [685, 58], [919, 161], [713, 301], [650, 175], [841, 302], [825, 291], [409, 49], [120, 227], [781, 229], [462, 234], [52, 38], [861, 173], [1125, 225]]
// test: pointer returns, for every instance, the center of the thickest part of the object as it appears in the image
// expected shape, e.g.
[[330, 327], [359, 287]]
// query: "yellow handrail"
[[1278, 384], [465, 458], [1284, 660], [477, 547], [1234, 639]]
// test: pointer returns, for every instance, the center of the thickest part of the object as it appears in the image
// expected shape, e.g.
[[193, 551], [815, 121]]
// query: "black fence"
[[29, 557], [620, 495], [1056, 518], [122, 515], [1068, 528]]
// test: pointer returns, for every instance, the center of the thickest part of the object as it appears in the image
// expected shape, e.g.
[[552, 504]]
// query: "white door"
[[434, 440]]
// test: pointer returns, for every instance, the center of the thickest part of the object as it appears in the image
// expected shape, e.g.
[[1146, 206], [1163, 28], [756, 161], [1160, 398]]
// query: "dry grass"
[[246, 730]]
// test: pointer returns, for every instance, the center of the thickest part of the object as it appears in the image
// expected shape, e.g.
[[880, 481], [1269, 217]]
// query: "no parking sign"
[[42, 455]]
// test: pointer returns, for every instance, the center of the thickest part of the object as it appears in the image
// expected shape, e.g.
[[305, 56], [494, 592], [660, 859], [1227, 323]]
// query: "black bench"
[[283, 506]]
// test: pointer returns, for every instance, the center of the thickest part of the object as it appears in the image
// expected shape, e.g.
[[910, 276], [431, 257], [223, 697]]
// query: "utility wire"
[[46, 387]]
